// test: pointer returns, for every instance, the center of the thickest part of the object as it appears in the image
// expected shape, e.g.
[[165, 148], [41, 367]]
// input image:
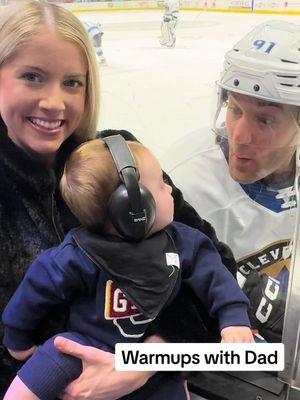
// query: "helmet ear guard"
[[219, 109], [131, 207]]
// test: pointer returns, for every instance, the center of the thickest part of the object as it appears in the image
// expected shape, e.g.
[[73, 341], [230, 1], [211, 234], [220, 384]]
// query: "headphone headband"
[[120, 153], [127, 169]]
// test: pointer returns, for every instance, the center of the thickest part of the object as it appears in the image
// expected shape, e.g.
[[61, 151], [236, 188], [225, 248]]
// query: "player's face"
[[151, 177], [262, 138], [42, 94]]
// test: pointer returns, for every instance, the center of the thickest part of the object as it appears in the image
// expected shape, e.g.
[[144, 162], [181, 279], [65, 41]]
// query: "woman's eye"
[[73, 83], [31, 77]]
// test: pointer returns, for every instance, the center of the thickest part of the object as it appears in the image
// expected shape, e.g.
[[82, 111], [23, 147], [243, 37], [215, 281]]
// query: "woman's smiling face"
[[42, 94]]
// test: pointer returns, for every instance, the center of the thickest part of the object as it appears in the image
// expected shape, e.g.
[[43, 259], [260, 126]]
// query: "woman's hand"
[[99, 379]]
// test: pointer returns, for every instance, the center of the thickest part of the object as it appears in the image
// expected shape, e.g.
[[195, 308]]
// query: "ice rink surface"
[[161, 94]]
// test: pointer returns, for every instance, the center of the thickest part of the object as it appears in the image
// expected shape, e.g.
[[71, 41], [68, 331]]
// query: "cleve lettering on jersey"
[[271, 259]]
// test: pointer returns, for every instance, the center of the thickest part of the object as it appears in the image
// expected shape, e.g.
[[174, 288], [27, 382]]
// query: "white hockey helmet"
[[266, 63]]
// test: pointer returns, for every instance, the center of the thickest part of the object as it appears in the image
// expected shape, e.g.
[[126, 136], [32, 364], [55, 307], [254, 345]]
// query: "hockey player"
[[169, 22], [94, 30], [244, 185]]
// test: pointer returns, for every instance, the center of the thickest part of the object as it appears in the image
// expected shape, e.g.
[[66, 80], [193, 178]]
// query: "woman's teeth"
[[46, 124]]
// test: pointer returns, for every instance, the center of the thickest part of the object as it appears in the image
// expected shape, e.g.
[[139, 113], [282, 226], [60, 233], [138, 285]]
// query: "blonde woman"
[[49, 102]]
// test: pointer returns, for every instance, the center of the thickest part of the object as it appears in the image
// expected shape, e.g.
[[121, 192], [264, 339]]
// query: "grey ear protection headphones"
[[131, 207]]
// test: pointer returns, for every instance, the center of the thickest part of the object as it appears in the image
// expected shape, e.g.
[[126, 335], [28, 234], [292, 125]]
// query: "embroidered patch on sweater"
[[125, 316]]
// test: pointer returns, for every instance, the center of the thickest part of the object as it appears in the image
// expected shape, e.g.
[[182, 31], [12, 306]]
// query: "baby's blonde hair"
[[89, 179]]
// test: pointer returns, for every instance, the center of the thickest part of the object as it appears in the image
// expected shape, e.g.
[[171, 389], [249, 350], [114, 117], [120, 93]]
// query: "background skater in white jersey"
[[170, 17], [94, 30]]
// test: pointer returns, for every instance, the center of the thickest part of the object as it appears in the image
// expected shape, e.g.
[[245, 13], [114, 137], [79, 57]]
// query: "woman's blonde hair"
[[89, 179], [24, 19]]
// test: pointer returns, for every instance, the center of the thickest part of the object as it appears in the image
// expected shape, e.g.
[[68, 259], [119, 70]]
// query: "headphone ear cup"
[[120, 212], [148, 203], [119, 208]]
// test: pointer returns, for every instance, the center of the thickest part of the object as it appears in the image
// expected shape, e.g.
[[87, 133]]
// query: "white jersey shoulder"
[[185, 147], [248, 227]]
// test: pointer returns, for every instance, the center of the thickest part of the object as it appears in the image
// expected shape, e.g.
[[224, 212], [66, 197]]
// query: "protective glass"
[[255, 122]]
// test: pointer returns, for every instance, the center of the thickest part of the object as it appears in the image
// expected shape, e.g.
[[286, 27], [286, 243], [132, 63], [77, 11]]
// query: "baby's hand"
[[236, 334], [22, 355]]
